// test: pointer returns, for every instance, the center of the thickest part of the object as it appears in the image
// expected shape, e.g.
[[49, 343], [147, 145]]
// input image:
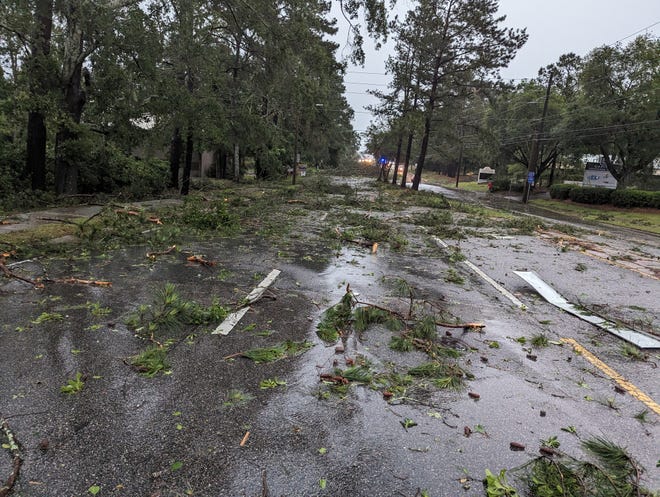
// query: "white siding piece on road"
[[641, 340]]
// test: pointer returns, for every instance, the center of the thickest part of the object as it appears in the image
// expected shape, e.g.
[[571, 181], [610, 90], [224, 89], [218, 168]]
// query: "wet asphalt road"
[[180, 434]]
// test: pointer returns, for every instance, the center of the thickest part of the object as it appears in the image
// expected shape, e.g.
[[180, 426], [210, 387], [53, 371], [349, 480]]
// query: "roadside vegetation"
[[644, 220]]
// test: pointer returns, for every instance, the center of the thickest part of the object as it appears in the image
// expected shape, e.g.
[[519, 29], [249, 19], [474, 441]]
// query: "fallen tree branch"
[[10, 274], [57, 220], [336, 379], [461, 325], [77, 281], [153, 255], [201, 260], [17, 461]]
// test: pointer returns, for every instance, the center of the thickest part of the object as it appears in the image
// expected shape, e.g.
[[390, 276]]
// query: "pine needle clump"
[[358, 374], [443, 375], [363, 317], [277, 352], [169, 311], [151, 361], [336, 319], [609, 472]]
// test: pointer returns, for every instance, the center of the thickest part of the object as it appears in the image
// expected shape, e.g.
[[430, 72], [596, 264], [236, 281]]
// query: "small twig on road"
[[17, 461]]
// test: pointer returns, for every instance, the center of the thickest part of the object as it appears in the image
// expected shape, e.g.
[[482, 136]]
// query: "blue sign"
[[383, 160], [530, 177]]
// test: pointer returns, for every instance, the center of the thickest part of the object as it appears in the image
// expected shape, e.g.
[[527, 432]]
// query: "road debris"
[[78, 281], [17, 461], [169, 250], [200, 259], [641, 340], [232, 319], [8, 273]]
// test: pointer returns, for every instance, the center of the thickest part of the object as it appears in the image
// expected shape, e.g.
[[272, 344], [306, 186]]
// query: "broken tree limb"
[[77, 281], [8, 273], [153, 255], [17, 461], [201, 260], [460, 325]]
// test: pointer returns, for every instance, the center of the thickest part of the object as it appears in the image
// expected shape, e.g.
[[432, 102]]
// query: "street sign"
[[530, 177]]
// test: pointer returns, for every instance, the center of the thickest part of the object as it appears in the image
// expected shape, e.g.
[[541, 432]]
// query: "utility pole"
[[534, 153]]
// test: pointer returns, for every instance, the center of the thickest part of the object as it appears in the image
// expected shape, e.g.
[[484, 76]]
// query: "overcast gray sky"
[[555, 27]]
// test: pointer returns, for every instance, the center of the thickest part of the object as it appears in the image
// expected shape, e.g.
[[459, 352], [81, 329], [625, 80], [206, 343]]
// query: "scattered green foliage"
[[336, 319], [539, 340], [237, 398], [580, 267], [452, 276], [408, 423], [151, 361], [497, 486], [169, 311], [368, 315], [609, 472], [280, 351], [74, 385], [632, 352], [641, 416], [552, 442], [401, 344], [271, 383], [359, 374], [45, 317]]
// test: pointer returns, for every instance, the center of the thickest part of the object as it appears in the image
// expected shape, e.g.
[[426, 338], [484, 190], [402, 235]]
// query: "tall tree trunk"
[[417, 179], [397, 160], [66, 167], [237, 162], [176, 146], [39, 84], [35, 163], [187, 165], [406, 163], [552, 170]]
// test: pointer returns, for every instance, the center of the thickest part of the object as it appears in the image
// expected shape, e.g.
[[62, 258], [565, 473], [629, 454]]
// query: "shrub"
[[501, 184], [561, 192], [590, 195], [635, 198]]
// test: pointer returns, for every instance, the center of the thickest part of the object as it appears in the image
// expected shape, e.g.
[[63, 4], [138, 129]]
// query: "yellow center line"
[[623, 383]]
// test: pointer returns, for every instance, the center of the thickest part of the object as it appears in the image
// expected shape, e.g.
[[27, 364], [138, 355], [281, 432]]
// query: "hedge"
[[561, 192], [590, 195], [635, 198]]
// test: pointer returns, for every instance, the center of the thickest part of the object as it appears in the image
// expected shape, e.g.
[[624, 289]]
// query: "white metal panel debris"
[[641, 340]]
